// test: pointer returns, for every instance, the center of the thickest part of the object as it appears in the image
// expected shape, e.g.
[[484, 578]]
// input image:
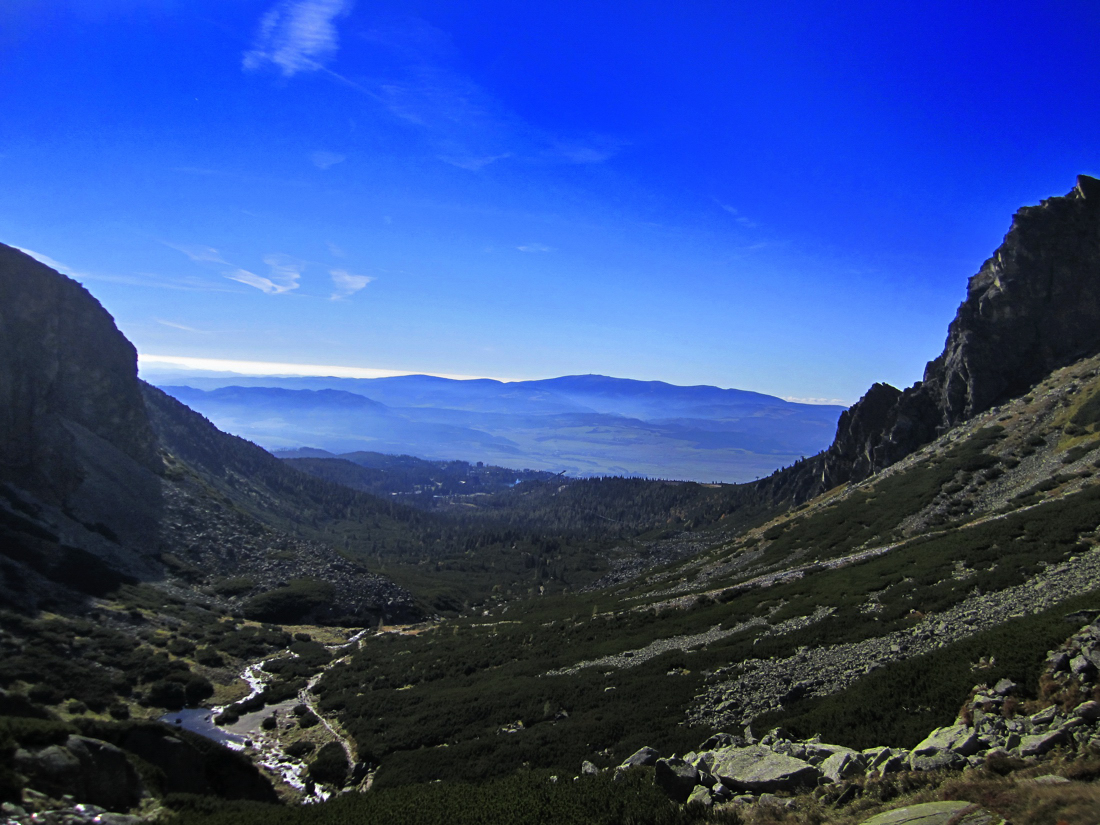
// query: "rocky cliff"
[[101, 473], [66, 372], [1033, 306]]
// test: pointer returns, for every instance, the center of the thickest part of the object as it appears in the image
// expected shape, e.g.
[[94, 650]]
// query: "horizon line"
[[277, 369]]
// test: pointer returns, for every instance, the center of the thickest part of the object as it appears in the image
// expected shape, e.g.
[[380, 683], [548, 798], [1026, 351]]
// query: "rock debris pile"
[[213, 541], [729, 767], [747, 689]]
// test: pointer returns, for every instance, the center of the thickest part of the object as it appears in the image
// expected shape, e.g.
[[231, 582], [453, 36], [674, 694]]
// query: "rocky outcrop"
[[65, 372], [78, 459], [1033, 306], [676, 777]]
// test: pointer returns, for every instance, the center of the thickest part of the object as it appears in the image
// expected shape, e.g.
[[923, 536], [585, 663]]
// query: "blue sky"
[[783, 197]]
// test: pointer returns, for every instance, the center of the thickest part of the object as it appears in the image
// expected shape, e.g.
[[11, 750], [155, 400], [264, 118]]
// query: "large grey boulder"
[[936, 761], [1004, 687], [722, 740], [843, 765], [885, 760], [1040, 743], [1082, 666], [758, 769], [676, 778], [643, 758], [1089, 711], [946, 748], [936, 813], [701, 796], [958, 738], [1044, 717], [817, 752]]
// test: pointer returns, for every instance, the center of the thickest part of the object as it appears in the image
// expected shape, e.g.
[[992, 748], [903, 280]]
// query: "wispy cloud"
[[533, 247], [283, 277], [296, 36], [347, 284], [200, 254], [184, 327], [595, 149], [737, 216], [474, 164], [53, 264], [325, 160], [261, 283]]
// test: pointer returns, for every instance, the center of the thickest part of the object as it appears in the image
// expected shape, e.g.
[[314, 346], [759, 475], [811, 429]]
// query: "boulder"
[[885, 760], [1089, 711], [722, 740], [642, 759], [1040, 743], [958, 738], [817, 752], [1004, 687], [588, 769], [758, 769], [676, 778], [936, 760], [700, 796], [936, 813], [1044, 717], [1082, 667], [720, 793], [843, 765]]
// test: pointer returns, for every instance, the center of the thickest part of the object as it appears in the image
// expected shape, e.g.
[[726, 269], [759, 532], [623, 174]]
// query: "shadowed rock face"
[[1032, 307], [85, 502], [64, 369]]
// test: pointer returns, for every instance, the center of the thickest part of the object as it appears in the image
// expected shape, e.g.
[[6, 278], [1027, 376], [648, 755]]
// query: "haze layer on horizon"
[[786, 199]]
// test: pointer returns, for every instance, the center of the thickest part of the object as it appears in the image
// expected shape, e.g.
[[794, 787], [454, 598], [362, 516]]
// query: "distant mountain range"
[[583, 425]]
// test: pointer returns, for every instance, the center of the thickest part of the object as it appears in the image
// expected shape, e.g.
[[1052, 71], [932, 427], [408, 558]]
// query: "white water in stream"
[[266, 749]]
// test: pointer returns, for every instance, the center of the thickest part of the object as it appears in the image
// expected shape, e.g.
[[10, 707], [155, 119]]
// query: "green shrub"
[[181, 647], [292, 603], [330, 765], [165, 694], [209, 657], [300, 748], [236, 586]]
